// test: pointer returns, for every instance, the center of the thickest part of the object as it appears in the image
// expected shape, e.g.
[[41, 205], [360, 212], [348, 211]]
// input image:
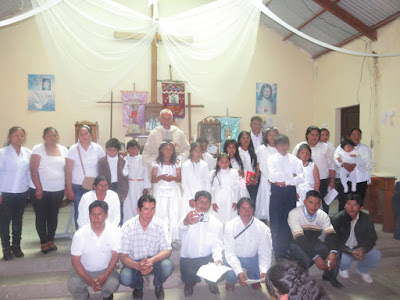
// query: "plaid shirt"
[[140, 244]]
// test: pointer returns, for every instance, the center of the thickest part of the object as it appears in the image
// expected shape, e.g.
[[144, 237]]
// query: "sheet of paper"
[[330, 196], [252, 281], [212, 272]]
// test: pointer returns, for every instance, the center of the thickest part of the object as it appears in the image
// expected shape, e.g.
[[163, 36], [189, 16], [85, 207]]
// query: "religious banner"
[[134, 109], [41, 92], [229, 129], [173, 96]]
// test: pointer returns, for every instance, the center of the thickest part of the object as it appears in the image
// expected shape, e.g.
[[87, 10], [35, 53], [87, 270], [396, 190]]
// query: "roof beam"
[[307, 22], [350, 39], [348, 18]]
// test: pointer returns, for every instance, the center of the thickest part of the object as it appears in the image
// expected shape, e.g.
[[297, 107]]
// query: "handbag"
[[88, 182]]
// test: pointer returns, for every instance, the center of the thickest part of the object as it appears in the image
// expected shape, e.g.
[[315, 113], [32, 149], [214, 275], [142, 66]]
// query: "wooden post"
[[189, 107]]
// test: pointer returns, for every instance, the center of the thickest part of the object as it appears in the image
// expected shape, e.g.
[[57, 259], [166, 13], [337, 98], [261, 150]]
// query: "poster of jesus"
[[266, 98]]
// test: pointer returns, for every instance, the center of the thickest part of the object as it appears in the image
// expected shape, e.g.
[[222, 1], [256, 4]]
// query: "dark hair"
[[87, 127], [160, 158], [48, 129], [146, 198], [288, 279], [263, 87], [305, 146], [311, 128], [255, 118], [251, 150], [356, 197], [99, 203], [313, 193], [218, 168], [202, 193], [265, 137], [132, 143], [324, 129], [347, 142], [202, 140], [243, 200], [281, 139], [99, 179], [11, 131], [113, 143], [351, 131], [237, 155], [192, 147]]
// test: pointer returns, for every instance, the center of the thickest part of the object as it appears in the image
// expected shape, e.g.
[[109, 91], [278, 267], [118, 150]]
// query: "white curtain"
[[207, 46]]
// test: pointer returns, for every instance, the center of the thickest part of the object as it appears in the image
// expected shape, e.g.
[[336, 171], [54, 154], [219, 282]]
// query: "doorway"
[[349, 118]]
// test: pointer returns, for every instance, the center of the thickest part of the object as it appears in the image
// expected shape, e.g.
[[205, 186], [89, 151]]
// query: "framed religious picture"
[[210, 128], [266, 98], [229, 128]]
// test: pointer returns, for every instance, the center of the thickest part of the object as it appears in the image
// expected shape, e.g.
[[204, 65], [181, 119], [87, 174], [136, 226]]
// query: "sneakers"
[[344, 274], [366, 277]]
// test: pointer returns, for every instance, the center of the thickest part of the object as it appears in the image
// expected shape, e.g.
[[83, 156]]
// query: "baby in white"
[[347, 154]]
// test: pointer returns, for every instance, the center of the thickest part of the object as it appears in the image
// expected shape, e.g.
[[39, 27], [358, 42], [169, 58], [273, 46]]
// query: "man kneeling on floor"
[[308, 223], [202, 242], [357, 236], [145, 248], [248, 246], [94, 255]]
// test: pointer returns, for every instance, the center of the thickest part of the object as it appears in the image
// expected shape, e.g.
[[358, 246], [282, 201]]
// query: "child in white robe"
[[195, 177], [165, 177], [207, 157], [139, 182], [224, 189]]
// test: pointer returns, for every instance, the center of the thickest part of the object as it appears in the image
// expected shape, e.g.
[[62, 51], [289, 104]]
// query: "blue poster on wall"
[[41, 92], [229, 129]]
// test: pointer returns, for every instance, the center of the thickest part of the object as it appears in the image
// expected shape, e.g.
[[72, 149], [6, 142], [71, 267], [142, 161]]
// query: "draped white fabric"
[[207, 45]]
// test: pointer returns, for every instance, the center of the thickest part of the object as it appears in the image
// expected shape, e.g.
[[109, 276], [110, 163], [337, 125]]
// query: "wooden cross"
[[111, 111]]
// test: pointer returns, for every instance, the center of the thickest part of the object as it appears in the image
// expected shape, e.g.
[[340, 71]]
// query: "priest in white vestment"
[[165, 131]]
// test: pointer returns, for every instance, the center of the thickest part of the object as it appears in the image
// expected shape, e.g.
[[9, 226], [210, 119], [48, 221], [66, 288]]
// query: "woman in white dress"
[[264, 190], [47, 186], [165, 176], [195, 177], [224, 189], [310, 173]]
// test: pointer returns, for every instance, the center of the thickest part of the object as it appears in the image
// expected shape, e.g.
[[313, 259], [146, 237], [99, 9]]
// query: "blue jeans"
[[134, 279], [370, 261], [78, 191], [248, 263]]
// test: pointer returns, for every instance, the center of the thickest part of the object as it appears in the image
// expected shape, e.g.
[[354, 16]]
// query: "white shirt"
[[51, 169], [286, 169], [209, 159], [195, 177], [113, 164], [14, 170], [140, 244], [202, 239], [96, 251], [257, 140], [256, 240], [90, 158], [352, 240], [114, 207], [248, 163], [321, 156]]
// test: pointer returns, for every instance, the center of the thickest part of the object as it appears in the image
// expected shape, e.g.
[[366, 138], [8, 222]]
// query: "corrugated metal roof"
[[327, 27], [12, 8]]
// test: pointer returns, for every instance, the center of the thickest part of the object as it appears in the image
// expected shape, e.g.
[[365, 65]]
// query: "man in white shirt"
[[165, 131], [94, 255], [248, 246], [202, 242], [256, 131], [315, 239], [145, 248], [285, 172]]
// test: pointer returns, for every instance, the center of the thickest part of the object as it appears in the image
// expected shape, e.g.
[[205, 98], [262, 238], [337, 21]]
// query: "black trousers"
[[361, 190], [323, 190], [190, 266], [253, 190], [46, 211], [11, 211]]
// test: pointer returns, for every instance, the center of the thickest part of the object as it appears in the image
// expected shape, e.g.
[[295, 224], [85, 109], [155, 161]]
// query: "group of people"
[[242, 204]]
